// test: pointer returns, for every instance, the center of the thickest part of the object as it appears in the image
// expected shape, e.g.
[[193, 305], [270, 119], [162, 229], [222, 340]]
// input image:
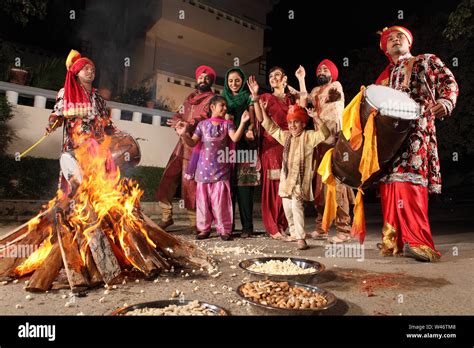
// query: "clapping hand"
[[180, 127], [245, 117], [253, 85]]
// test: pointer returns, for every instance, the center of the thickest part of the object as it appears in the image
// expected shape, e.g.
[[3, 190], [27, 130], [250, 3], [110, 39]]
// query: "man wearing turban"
[[194, 109], [327, 99], [415, 171], [79, 107]]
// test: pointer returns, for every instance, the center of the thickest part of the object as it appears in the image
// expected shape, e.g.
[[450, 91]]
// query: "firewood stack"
[[94, 234]]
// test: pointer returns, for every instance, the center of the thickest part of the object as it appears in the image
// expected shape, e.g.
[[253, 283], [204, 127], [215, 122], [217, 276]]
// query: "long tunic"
[[301, 151], [418, 161], [213, 165]]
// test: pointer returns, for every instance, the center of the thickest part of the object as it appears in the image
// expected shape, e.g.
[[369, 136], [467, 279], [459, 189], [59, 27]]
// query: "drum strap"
[[406, 81]]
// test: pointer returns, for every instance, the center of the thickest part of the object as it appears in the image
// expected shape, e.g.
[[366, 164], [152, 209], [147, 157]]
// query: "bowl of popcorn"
[[283, 268], [285, 297], [175, 307]]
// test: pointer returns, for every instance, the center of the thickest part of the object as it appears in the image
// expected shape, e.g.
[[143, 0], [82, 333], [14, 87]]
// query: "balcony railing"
[[41, 98]]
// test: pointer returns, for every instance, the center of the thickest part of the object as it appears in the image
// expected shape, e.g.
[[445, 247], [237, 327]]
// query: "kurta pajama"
[[415, 171], [295, 187], [330, 112], [195, 109]]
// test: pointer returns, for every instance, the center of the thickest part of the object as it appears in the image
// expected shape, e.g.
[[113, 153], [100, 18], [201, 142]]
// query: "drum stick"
[[38, 142]]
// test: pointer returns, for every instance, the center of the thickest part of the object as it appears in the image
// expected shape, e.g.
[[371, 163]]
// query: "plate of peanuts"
[[285, 297]]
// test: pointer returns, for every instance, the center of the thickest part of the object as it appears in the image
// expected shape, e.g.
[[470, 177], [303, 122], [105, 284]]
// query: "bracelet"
[[255, 99]]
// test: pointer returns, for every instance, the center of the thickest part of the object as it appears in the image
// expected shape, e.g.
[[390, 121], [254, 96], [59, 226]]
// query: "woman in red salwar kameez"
[[271, 152]]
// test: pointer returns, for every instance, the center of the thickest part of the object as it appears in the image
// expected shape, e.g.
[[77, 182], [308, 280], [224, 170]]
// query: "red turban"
[[76, 101], [297, 113], [206, 69], [386, 32], [332, 68]]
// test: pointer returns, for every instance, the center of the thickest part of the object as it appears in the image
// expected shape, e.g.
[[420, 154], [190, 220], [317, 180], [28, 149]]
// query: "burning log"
[[44, 276], [75, 270], [99, 233]]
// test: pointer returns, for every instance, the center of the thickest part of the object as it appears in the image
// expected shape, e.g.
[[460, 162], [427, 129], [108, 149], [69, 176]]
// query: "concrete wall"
[[156, 142]]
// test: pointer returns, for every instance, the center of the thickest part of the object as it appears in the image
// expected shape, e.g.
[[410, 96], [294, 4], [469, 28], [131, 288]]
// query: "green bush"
[[37, 178]]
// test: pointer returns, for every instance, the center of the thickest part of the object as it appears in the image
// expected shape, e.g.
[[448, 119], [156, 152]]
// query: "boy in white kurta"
[[297, 167]]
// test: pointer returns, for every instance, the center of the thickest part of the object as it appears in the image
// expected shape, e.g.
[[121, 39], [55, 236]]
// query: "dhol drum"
[[123, 147], [396, 114]]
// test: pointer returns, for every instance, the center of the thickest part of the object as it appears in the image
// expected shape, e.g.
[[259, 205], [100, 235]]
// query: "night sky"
[[334, 29]]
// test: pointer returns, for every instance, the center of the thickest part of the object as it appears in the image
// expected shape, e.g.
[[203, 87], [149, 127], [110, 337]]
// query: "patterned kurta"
[[212, 165], [418, 161], [94, 124]]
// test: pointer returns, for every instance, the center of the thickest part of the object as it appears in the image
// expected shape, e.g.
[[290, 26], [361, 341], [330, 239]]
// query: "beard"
[[203, 87], [322, 80]]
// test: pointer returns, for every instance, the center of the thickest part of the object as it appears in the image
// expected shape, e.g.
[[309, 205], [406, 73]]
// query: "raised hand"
[[249, 135], [311, 112], [180, 127], [300, 73], [245, 117], [172, 122], [333, 95], [253, 85]]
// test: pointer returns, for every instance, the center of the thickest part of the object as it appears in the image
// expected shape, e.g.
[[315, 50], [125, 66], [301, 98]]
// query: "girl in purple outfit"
[[212, 174]]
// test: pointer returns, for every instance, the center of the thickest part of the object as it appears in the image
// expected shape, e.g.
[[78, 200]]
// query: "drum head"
[[391, 102], [70, 167]]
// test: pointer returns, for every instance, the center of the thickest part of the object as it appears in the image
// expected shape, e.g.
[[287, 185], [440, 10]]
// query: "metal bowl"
[[261, 309], [165, 303], [303, 263]]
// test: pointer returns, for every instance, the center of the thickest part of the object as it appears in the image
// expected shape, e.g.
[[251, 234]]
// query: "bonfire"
[[96, 233]]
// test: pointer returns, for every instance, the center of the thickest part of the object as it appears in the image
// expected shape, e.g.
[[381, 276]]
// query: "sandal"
[[319, 236], [203, 235], [340, 238]]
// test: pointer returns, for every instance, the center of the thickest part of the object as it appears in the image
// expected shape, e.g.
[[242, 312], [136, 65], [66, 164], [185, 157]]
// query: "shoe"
[[166, 224], [302, 244], [340, 238], [203, 235], [226, 237], [246, 234], [409, 252]]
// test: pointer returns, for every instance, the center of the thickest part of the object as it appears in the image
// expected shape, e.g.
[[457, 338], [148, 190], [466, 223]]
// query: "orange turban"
[[386, 32], [332, 68], [297, 113]]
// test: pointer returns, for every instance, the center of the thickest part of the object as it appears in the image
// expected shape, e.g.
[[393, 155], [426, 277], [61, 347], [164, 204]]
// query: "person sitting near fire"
[[212, 171], [80, 108], [297, 167]]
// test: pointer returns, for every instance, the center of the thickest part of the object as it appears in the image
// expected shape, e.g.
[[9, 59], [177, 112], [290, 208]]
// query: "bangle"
[[255, 99]]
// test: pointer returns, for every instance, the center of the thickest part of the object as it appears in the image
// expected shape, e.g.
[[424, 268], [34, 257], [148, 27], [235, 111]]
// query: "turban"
[[76, 101], [297, 113], [386, 32], [332, 68], [206, 69]]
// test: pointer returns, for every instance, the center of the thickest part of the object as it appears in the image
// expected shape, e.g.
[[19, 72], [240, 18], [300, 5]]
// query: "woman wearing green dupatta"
[[246, 173]]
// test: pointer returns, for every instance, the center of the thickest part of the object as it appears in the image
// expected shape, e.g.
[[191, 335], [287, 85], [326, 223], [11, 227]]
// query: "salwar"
[[405, 216], [294, 211], [243, 196], [214, 205], [273, 214]]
